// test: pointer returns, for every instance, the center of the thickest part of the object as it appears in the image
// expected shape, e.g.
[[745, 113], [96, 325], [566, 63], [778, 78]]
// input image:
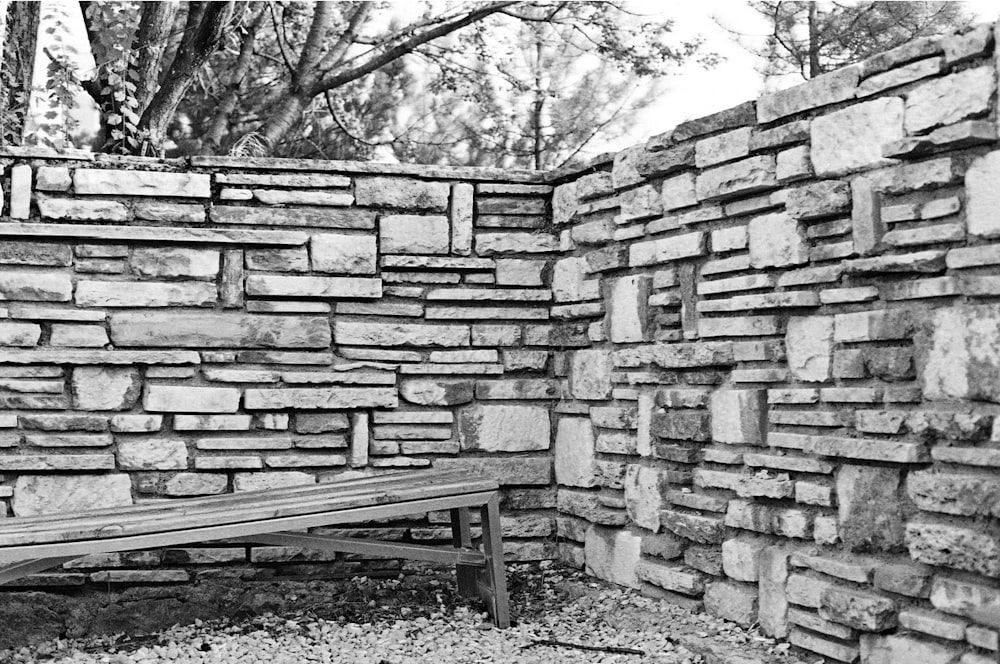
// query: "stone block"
[[141, 183], [777, 240], [671, 577], [145, 293], [105, 388], [646, 495], [739, 416], [504, 428], [19, 334], [81, 210], [851, 139], [518, 470], [819, 199], [590, 376], [969, 548], [399, 334], [741, 557], [982, 211], [196, 484], [270, 480], [666, 250], [321, 398], [626, 317], [436, 392], [59, 494], [678, 192], [313, 286], [574, 452], [737, 178], [83, 336], [772, 571], [570, 282], [219, 330], [414, 234], [736, 602], [343, 253], [187, 399], [961, 353], [830, 88], [869, 509], [696, 527], [152, 455], [809, 346], [175, 262], [899, 648], [489, 244], [860, 609], [948, 99], [953, 493], [35, 286], [403, 193], [682, 425], [612, 555]]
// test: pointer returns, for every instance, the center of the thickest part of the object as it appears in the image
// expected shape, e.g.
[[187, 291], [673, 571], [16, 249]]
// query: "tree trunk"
[[17, 69], [536, 116], [151, 41], [814, 68], [284, 117]]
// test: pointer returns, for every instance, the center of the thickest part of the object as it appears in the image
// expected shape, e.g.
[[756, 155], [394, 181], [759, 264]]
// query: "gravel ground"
[[418, 618]]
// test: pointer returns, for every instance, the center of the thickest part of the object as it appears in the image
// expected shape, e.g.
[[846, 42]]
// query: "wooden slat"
[[205, 515], [231, 508], [29, 567], [208, 533], [434, 554]]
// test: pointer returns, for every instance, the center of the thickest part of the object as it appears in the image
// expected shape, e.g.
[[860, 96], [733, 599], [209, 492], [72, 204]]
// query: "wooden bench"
[[29, 545]]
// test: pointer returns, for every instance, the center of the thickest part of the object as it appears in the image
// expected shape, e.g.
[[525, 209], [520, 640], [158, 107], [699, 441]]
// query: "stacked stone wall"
[[784, 404], [180, 329]]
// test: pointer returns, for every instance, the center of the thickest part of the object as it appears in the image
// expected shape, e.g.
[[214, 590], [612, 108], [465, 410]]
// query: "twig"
[[580, 646]]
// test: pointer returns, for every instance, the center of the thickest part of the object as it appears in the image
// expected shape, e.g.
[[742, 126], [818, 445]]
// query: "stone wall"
[[176, 329], [784, 407]]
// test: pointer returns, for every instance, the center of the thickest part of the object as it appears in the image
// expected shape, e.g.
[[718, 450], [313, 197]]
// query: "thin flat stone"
[[154, 234]]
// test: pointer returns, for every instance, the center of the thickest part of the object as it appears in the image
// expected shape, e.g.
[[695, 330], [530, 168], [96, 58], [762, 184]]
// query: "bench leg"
[[495, 573], [461, 538]]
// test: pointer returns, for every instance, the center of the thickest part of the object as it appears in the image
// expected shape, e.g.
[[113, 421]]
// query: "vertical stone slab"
[[626, 308], [612, 555], [461, 218], [646, 495], [644, 423], [869, 511], [809, 344], [867, 228], [231, 291], [574, 452], [687, 275], [739, 417], [359, 439], [20, 191], [772, 611], [982, 208], [590, 376]]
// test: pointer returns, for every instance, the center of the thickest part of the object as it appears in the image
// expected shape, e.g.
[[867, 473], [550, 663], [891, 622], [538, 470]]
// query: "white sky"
[[692, 91]]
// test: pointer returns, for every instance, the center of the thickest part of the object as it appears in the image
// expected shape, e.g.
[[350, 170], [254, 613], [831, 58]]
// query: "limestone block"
[[570, 282], [809, 347], [196, 484], [152, 455], [590, 374], [612, 555], [346, 254], [777, 240], [729, 239], [851, 139], [574, 452], [81, 210], [564, 203], [154, 210], [964, 547], [982, 211], [81, 336], [404, 193], [13, 252], [503, 428], [520, 272], [666, 250], [414, 234], [641, 203], [736, 602], [436, 392], [741, 557], [53, 178], [175, 262], [671, 577], [489, 244], [460, 216], [722, 147], [505, 470], [646, 495], [20, 191], [952, 493], [869, 511], [793, 164], [187, 399], [682, 425], [838, 85], [696, 527], [893, 648], [270, 480], [313, 286], [141, 183], [961, 354], [739, 416], [323, 398], [772, 568], [219, 330], [145, 293], [59, 494], [623, 171], [819, 199], [279, 197], [949, 99], [19, 334], [859, 609], [105, 388], [737, 178], [626, 316], [35, 286], [678, 192], [400, 334]]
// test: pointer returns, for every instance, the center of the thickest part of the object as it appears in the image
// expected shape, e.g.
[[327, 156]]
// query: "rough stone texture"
[[152, 455], [58, 494], [809, 344], [145, 294], [342, 253], [218, 330], [956, 546], [950, 99], [414, 234], [178, 399], [612, 555], [822, 90], [574, 452], [878, 649], [960, 353], [401, 193], [982, 211], [776, 240], [35, 286], [646, 494], [869, 511], [626, 317], [736, 602], [591, 374], [141, 183], [851, 139], [175, 262], [105, 388], [739, 416], [436, 392], [502, 428], [741, 177]]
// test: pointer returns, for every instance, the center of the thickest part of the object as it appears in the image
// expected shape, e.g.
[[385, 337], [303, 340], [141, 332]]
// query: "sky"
[[692, 91]]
